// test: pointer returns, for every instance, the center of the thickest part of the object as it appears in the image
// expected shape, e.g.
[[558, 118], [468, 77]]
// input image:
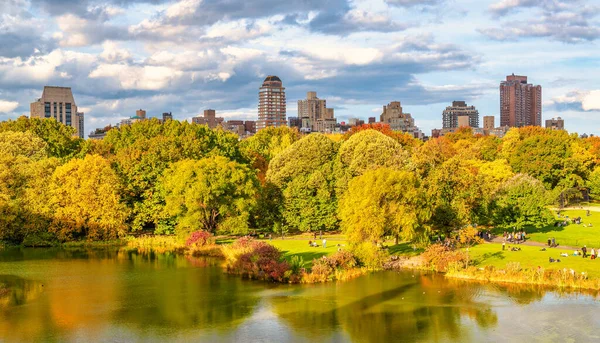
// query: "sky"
[[190, 55]]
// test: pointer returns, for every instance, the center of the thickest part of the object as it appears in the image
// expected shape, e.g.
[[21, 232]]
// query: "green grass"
[[297, 247], [573, 234], [531, 257]]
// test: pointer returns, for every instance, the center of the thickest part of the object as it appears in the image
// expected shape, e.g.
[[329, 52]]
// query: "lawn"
[[299, 247], [572, 235], [529, 256]]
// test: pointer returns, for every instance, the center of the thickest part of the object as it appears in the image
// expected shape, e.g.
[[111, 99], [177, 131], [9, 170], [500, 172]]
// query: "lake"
[[120, 295]]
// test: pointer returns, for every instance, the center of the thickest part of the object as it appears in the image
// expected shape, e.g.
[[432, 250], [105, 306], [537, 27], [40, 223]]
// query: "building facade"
[[520, 102], [271, 104], [397, 120], [209, 118], [58, 103], [555, 123], [314, 115], [459, 114], [167, 116], [489, 122]]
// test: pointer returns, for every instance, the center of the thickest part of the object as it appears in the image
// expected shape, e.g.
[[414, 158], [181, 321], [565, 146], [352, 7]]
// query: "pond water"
[[128, 296]]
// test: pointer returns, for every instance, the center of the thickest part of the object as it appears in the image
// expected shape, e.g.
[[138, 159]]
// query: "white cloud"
[[8, 106], [137, 77]]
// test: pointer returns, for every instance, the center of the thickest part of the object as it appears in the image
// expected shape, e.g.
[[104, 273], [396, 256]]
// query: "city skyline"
[[179, 57]]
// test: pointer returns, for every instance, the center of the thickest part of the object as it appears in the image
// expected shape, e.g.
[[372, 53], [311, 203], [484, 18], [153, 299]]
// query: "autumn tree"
[[58, 137], [364, 151], [85, 200], [210, 194], [383, 202]]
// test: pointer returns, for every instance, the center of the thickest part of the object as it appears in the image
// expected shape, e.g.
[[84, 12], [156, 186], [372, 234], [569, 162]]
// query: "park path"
[[500, 239]]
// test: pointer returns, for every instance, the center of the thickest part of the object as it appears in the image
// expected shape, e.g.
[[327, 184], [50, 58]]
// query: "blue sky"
[[189, 55]]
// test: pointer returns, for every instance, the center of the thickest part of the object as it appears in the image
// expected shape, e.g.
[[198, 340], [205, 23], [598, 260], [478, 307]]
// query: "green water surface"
[[119, 295]]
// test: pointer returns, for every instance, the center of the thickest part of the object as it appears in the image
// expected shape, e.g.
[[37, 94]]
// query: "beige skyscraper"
[[392, 115], [452, 115], [271, 104], [488, 122], [58, 103], [520, 102], [314, 114]]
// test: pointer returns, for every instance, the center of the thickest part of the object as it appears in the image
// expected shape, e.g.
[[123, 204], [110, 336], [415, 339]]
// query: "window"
[[47, 113]]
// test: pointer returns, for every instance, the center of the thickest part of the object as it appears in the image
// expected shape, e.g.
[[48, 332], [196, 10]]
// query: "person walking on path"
[[324, 243], [584, 250]]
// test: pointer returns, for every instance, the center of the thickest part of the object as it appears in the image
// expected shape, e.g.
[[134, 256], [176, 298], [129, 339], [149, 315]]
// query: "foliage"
[[58, 137], [407, 141], [369, 255], [383, 202], [199, 239], [304, 173], [256, 260], [209, 194], [441, 258], [85, 200], [364, 151], [522, 202], [329, 268]]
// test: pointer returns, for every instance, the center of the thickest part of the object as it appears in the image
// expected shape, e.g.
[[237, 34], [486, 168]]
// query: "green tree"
[[521, 202], [85, 200], [304, 173], [383, 202], [364, 151], [58, 137], [210, 194]]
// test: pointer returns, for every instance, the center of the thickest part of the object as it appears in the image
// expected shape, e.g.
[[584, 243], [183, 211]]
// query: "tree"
[[304, 173], [364, 151], [522, 202], [210, 194], [407, 141], [142, 152], [24, 144], [85, 200], [58, 137], [383, 202], [431, 155], [594, 183]]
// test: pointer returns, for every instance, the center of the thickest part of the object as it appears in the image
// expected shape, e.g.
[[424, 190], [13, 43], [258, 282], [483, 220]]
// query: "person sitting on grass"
[[593, 254], [564, 254]]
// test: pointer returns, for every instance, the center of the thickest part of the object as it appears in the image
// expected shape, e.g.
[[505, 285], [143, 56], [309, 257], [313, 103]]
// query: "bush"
[[199, 239], [256, 260], [334, 267], [369, 255], [40, 239], [441, 258]]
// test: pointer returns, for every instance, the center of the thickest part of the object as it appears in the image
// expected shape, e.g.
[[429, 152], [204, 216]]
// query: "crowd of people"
[[515, 237]]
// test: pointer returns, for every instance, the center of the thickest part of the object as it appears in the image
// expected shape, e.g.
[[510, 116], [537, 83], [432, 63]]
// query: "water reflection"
[[383, 307], [128, 295]]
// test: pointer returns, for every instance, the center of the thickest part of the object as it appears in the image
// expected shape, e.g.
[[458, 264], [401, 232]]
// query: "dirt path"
[[500, 239]]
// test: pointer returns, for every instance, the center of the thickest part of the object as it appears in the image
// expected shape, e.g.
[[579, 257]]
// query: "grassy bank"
[[575, 235]]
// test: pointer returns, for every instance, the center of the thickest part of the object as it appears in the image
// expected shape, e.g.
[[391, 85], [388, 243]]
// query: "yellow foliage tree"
[[85, 200]]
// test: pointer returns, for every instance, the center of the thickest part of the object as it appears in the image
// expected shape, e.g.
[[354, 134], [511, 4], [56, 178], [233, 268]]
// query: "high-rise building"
[[555, 123], [314, 114], [140, 113], [396, 119], [210, 118], [372, 120], [520, 102], [167, 116], [489, 122], [58, 103], [271, 104], [452, 114]]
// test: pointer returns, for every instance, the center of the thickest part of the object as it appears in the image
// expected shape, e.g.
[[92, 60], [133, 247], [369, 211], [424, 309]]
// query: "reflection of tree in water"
[[17, 291], [182, 297], [385, 307]]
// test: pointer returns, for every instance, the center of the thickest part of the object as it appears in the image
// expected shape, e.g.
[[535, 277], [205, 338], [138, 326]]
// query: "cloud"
[[579, 100], [8, 106], [354, 20], [565, 21], [21, 35], [412, 3]]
